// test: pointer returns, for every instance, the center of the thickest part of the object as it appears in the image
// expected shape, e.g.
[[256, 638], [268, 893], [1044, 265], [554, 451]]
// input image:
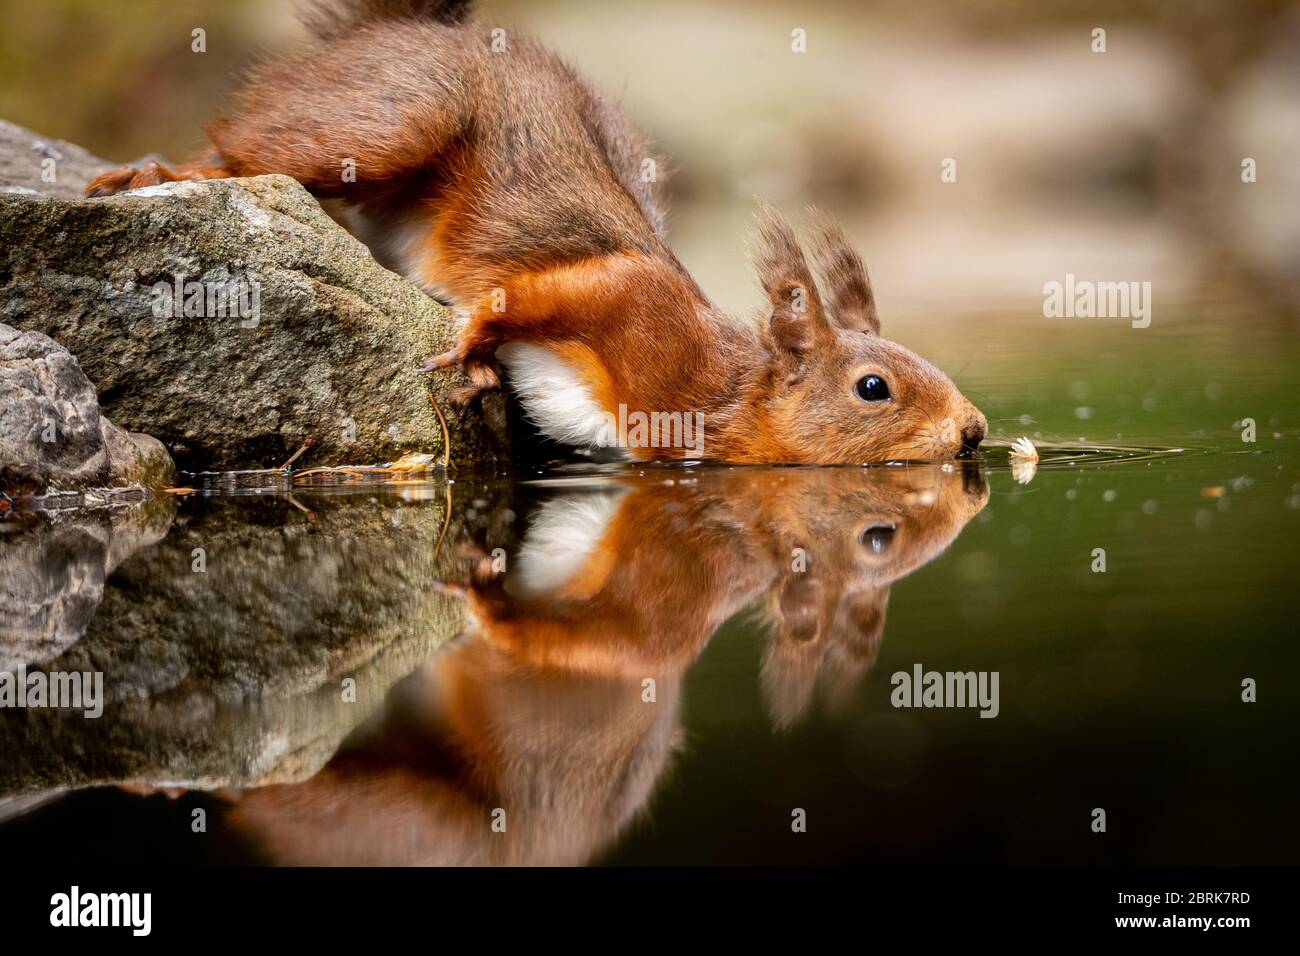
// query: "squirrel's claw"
[[111, 182], [126, 178], [480, 373], [434, 363]]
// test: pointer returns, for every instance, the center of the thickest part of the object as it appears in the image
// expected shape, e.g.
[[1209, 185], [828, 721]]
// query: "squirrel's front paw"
[[483, 376]]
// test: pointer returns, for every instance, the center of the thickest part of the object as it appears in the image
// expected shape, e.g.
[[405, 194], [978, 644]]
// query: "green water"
[[770, 608]]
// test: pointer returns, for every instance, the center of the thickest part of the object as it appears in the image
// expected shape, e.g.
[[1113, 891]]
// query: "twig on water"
[[298, 454]]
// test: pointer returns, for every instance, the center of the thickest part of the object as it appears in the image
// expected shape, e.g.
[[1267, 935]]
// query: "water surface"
[[667, 664]]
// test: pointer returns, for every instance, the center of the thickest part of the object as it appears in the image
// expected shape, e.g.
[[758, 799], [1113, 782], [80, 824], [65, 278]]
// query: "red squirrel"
[[487, 172]]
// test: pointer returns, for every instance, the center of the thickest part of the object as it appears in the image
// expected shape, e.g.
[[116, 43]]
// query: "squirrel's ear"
[[852, 304], [797, 322]]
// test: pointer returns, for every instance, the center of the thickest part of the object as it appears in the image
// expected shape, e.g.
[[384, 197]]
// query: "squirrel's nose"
[[973, 434]]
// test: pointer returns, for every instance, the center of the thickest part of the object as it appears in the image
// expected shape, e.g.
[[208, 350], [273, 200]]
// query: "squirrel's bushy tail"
[[328, 19]]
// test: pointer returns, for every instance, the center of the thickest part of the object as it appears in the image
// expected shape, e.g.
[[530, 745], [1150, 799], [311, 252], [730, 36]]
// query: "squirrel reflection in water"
[[556, 711]]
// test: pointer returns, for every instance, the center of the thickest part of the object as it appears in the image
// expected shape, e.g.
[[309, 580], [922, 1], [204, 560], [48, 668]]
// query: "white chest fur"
[[555, 398]]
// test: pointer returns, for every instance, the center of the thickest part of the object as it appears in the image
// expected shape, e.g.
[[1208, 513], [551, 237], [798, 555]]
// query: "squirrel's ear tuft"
[[852, 304], [797, 320]]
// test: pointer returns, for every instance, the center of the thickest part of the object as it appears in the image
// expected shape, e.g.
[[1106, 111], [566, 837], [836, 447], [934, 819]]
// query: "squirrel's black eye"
[[872, 388], [877, 538]]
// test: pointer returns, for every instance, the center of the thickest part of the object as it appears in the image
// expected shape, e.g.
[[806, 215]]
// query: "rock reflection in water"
[[555, 712], [224, 644]]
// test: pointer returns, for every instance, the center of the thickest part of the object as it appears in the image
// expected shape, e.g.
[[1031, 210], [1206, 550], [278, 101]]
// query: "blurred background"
[[1122, 165]]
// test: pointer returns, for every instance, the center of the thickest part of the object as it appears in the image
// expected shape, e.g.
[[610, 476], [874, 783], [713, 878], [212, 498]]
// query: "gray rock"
[[52, 435], [37, 165], [323, 344], [232, 675]]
